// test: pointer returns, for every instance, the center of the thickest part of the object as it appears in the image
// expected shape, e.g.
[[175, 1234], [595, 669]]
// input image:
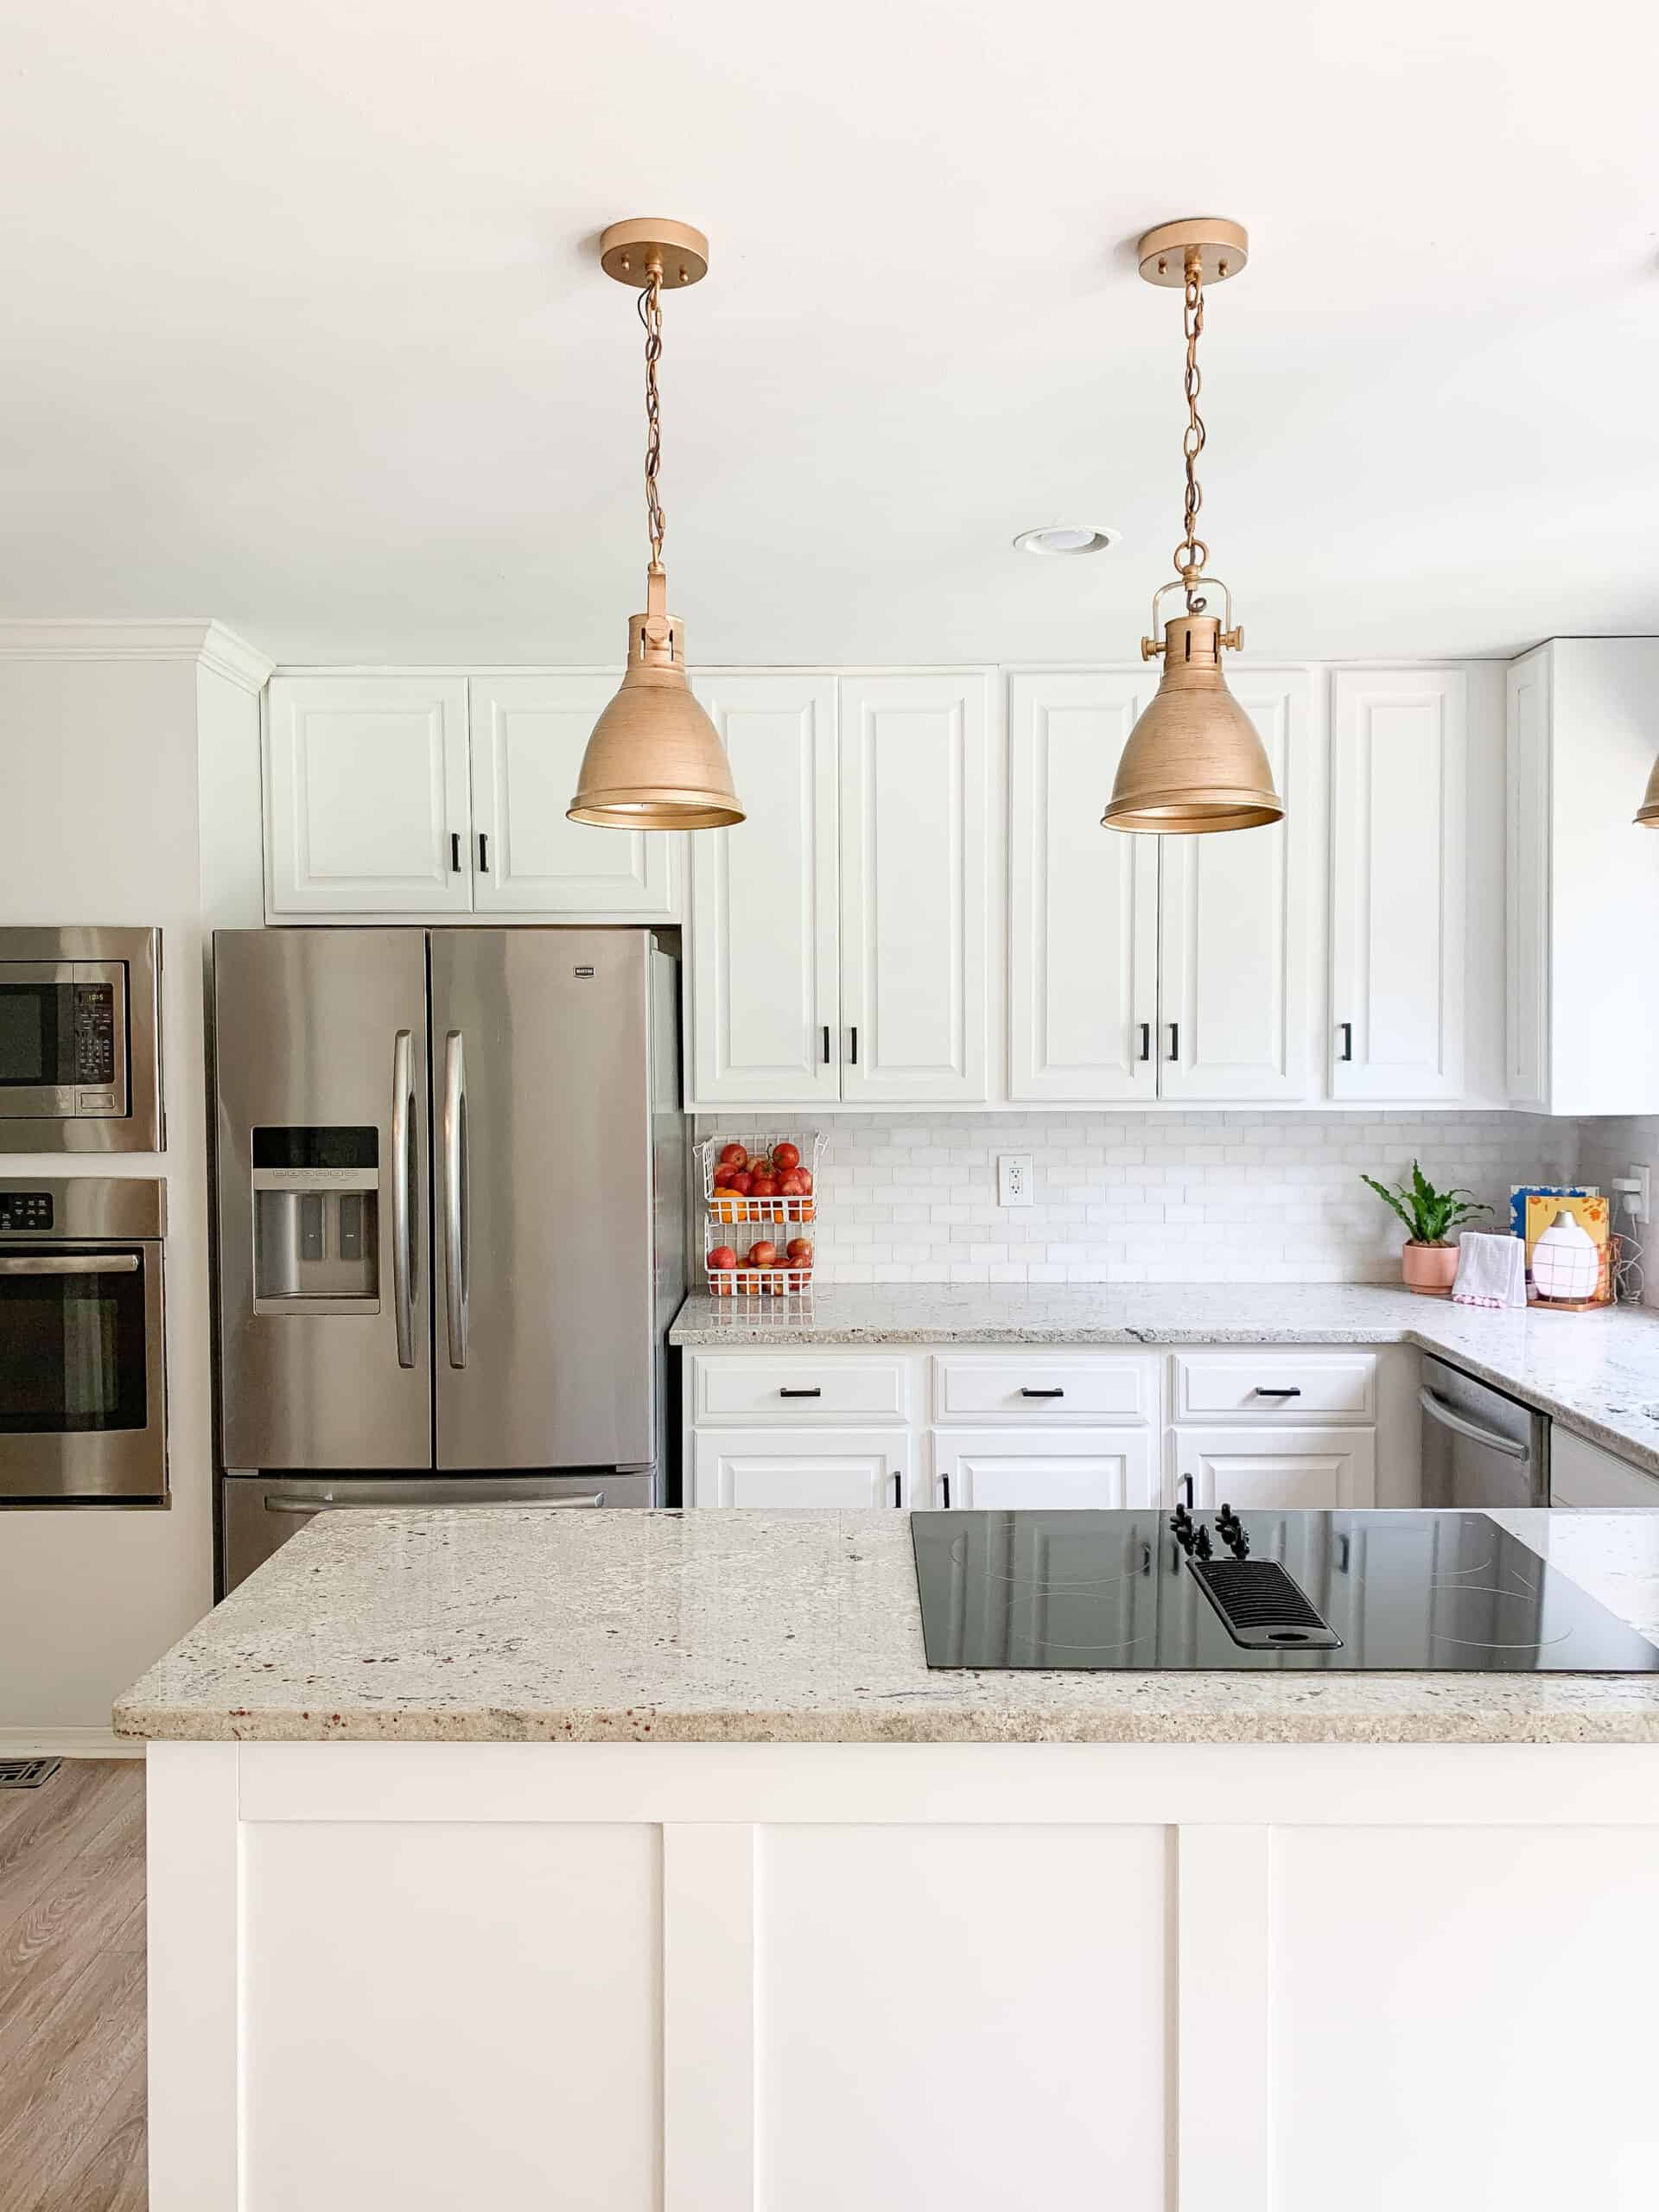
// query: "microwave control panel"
[[25, 1209]]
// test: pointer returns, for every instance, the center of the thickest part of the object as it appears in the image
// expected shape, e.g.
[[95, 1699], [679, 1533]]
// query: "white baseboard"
[[67, 1744]]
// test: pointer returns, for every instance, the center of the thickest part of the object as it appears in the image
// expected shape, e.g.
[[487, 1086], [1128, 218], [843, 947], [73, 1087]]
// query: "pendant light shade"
[[655, 760], [1647, 812], [1195, 760]]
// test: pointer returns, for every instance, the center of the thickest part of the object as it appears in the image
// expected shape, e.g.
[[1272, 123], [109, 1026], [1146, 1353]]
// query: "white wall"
[[99, 823]]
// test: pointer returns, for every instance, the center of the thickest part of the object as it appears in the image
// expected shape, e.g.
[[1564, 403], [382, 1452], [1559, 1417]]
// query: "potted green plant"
[[1429, 1261]]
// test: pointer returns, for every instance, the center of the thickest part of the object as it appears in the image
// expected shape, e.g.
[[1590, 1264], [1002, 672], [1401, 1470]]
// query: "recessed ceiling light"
[[1066, 537]]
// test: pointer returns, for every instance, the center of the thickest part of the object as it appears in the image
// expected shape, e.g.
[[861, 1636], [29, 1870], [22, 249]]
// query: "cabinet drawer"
[[1269, 1385], [978, 1386], [791, 1387]]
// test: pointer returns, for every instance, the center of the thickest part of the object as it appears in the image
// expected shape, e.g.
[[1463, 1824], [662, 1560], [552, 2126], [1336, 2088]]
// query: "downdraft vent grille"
[[27, 1774], [1261, 1607]]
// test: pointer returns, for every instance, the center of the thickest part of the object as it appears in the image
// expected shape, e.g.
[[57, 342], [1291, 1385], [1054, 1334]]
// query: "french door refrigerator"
[[451, 1176]]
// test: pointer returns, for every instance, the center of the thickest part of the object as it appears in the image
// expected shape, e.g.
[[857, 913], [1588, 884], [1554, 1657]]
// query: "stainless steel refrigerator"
[[451, 1177]]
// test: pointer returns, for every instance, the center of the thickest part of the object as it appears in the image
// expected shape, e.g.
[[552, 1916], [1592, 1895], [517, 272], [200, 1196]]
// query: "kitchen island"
[[638, 1859]]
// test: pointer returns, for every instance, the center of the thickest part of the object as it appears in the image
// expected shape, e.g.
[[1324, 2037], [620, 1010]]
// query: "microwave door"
[[320, 1068], [37, 1040], [543, 1273]]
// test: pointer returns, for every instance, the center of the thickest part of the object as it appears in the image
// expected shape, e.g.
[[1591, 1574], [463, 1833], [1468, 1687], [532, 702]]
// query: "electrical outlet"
[[1014, 1178], [1644, 1195]]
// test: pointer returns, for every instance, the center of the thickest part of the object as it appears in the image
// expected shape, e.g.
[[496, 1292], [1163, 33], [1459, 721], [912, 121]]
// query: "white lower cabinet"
[[995, 1469], [1255, 1468], [802, 1467], [1582, 1473]]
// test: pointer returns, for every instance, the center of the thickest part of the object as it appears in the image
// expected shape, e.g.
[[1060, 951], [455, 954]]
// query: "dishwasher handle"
[[1449, 1417]]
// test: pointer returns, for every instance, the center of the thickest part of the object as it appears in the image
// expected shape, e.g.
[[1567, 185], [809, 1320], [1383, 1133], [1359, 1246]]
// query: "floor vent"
[[27, 1774]]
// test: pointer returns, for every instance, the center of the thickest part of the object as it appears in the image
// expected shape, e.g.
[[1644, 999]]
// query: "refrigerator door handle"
[[403, 1269], [455, 1194]]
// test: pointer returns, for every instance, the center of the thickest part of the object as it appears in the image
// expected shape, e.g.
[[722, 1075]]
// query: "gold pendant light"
[[655, 760], [1647, 812], [1195, 760]]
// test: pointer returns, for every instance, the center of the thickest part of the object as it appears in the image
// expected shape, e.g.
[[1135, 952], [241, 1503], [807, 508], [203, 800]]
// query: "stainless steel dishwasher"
[[1480, 1446]]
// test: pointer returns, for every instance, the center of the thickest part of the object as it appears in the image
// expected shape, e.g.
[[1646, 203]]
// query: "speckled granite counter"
[[1597, 1372], [748, 1627]]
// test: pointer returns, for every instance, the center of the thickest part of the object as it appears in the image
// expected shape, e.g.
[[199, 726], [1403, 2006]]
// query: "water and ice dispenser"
[[316, 1220]]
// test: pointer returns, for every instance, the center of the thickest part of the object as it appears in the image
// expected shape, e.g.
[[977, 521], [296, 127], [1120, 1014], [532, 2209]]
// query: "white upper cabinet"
[[1583, 1001], [1400, 871], [366, 795], [915, 894], [528, 736], [1236, 912], [763, 984], [1083, 901]]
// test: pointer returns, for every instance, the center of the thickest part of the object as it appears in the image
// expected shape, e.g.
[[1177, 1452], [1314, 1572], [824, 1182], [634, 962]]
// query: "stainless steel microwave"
[[80, 1040]]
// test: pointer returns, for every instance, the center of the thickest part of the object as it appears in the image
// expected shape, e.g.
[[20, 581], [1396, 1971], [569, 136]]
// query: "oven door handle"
[[73, 1263], [1437, 1409], [486, 1505], [402, 1271]]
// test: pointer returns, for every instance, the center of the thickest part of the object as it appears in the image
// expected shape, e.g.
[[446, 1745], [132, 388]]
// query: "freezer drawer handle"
[[73, 1263], [403, 1267], [456, 1224], [483, 1505], [1437, 1409]]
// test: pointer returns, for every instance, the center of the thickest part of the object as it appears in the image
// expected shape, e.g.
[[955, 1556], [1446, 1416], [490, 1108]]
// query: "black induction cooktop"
[[1297, 1592]]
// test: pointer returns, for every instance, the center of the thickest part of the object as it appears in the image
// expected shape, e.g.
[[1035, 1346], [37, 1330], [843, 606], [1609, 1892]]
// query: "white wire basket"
[[732, 1208], [777, 1277]]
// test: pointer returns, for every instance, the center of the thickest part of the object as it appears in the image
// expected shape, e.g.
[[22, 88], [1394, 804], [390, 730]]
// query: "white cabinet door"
[[764, 980], [1083, 912], [365, 791], [995, 1469], [1234, 1014], [796, 1467], [528, 736], [915, 887], [1527, 880], [1259, 1468], [1400, 745]]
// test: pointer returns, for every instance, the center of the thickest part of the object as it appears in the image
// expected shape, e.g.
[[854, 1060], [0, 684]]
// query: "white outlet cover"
[[1644, 1195], [1014, 1178]]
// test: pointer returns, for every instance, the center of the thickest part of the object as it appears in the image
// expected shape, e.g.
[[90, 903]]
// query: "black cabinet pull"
[[483, 852], [854, 1056], [1347, 1052], [1262, 1391], [1186, 1487], [455, 852], [826, 1044], [898, 1490], [815, 1392], [1174, 1040], [1146, 1040], [1055, 1393], [944, 1485]]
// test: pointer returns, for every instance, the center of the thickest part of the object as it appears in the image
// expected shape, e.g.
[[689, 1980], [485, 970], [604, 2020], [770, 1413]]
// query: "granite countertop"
[[1599, 1373], [753, 1627]]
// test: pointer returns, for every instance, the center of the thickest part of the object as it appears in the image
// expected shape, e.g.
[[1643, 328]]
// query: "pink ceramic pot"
[[1432, 1269]]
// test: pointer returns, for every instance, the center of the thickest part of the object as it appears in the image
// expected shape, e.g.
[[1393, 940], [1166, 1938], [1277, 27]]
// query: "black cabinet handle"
[[1146, 1040], [483, 852], [898, 1490], [815, 1392], [1262, 1391], [826, 1044], [1347, 1052], [1055, 1393], [1174, 1040], [854, 1056], [1186, 1485], [944, 1485], [455, 852]]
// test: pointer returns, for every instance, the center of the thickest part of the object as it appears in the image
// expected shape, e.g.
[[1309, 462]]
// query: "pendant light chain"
[[1193, 555], [651, 314]]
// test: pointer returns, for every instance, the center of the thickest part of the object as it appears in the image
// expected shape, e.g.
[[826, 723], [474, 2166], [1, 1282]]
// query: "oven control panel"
[[25, 1209]]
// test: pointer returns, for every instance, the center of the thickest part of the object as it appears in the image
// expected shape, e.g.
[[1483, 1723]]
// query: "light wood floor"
[[72, 1991]]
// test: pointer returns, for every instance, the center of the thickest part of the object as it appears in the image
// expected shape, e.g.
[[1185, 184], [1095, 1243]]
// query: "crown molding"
[[208, 644]]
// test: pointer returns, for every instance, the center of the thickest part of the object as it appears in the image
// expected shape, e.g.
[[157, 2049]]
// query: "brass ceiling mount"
[[628, 251], [1222, 248]]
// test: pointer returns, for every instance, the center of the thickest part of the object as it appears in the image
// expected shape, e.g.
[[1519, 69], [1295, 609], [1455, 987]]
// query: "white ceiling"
[[305, 330]]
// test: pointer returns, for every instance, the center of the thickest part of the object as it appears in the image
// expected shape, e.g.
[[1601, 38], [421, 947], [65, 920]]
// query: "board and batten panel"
[[1235, 925], [509, 2056], [529, 733], [764, 978], [366, 795], [1527, 885], [1400, 746], [915, 887], [1083, 901], [924, 2044]]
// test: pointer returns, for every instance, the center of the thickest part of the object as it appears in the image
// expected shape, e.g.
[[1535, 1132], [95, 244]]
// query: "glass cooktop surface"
[[1360, 1591]]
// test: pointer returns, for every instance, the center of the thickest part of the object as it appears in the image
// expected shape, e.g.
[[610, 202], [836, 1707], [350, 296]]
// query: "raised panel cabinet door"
[[915, 887], [528, 736], [1400, 758], [1233, 1012], [1258, 1469], [797, 1467], [1083, 901], [1003, 1468], [763, 978], [366, 799]]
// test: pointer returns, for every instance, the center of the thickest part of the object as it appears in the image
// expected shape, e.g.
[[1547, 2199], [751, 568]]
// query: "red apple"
[[742, 1183], [723, 1178], [790, 1185], [764, 1186], [722, 1256], [806, 1175], [785, 1155], [733, 1155], [763, 1255], [799, 1252]]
